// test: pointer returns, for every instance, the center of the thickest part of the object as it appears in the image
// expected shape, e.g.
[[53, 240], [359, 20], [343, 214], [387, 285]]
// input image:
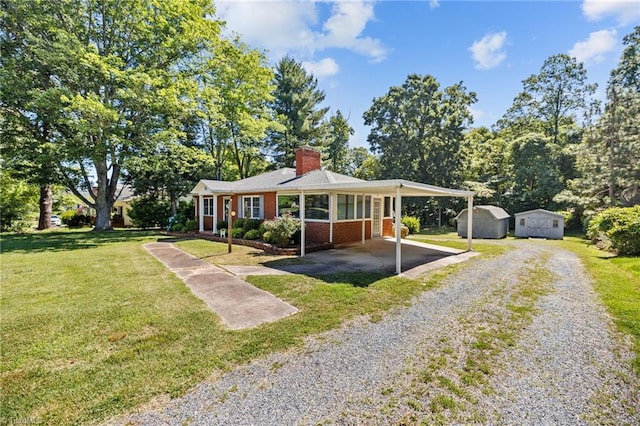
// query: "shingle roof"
[[496, 212], [550, 213]]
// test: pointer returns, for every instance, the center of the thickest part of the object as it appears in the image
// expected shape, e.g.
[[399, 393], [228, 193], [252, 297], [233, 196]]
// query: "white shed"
[[488, 222], [540, 223]]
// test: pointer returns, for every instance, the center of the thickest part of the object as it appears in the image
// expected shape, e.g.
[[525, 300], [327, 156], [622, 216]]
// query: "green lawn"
[[93, 326]]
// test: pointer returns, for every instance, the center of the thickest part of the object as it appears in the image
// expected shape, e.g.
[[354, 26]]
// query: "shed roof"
[[495, 211], [550, 213]]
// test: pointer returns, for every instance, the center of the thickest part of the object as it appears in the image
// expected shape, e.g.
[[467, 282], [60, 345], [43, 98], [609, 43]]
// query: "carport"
[[396, 188]]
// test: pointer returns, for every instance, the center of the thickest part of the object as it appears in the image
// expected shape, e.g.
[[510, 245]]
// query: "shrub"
[[191, 225], [237, 232], [280, 231], [412, 223], [247, 224], [148, 212], [404, 231], [177, 227], [222, 224], [73, 219], [252, 234], [618, 229]]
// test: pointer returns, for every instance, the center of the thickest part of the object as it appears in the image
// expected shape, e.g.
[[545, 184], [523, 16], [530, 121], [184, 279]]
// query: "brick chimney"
[[307, 160]]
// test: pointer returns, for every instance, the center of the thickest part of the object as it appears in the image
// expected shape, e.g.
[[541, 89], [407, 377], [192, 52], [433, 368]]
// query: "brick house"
[[332, 207]]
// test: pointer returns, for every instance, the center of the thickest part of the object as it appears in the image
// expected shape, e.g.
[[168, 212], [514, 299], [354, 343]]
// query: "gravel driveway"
[[515, 339]]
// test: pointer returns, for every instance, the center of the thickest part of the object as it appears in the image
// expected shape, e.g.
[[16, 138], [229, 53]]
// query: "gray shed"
[[539, 223], [488, 222]]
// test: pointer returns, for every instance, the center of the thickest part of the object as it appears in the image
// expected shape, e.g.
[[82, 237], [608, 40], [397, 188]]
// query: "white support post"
[[398, 221], [363, 216], [332, 210], [215, 214], [469, 222], [200, 212], [302, 224]]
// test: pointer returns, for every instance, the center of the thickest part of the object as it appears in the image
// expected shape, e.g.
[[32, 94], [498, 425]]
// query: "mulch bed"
[[266, 247]]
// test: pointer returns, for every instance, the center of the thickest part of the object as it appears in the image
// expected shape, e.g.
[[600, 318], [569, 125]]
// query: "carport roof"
[[285, 180]]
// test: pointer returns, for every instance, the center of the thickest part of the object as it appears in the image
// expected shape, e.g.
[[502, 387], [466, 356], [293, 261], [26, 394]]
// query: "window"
[[316, 206], [252, 207], [555, 223], [208, 206], [522, 221], [289, 204], [346, 206], [367, 207], [388, 206], [359, 207]]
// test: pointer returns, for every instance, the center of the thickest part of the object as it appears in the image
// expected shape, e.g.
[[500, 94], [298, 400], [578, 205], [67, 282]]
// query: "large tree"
[[296, 103], [337, 145], [118, 72], [609, 155], [233, 108], [554, 98], [417, 129]]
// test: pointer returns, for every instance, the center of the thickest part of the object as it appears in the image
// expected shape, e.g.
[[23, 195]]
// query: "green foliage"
[[191, 225], [337, 144], [74, 219], [617, 228], [252, 234], [404, 230], [296, 104], [412, 223], [147, 212], [184, 220], [280, 231], [417, 129], [237, 232], [18, 201], [222, 224], [246, 224]]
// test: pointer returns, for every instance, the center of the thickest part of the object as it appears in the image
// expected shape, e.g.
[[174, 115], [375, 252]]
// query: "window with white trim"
[[346, 207], [208, 206], [252, 207]]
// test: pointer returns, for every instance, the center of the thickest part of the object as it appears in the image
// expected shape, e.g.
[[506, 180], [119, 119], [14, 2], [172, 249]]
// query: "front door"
[[376, 223]]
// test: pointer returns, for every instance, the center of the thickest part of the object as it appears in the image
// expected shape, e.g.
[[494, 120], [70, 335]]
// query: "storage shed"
[[488, 222], [539, 223]]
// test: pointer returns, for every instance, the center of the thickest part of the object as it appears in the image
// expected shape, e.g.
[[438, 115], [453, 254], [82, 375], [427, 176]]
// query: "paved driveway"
[[377, 255]]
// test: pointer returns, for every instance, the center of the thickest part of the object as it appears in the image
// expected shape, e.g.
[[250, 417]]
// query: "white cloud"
[[594, 48], [323, 68], [624, 11], [434, 4], [488, 52], [289, 26]]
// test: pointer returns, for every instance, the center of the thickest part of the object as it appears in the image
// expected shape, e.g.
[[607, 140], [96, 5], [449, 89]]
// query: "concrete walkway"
[[238, 304]]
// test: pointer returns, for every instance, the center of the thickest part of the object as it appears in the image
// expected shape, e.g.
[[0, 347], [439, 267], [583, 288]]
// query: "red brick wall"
[[317, 232], [350, 232], [307, 159], [387, 228], [270, 205]]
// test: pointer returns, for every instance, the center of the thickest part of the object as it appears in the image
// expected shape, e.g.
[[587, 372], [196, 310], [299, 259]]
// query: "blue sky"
[[358, 49]]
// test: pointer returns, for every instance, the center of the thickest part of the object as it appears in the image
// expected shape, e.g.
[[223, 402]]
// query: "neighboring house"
[[488, 222], [121, 207], [540, 223], [332, 207]]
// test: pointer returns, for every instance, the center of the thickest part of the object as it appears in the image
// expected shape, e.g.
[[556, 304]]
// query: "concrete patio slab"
[[238, 304]]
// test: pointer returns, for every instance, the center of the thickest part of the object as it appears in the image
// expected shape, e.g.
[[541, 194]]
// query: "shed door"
[[538, 227]]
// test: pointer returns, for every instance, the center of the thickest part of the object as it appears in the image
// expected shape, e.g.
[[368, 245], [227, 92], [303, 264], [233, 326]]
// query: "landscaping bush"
[[237, 232], [280, 231], [147, 212], [185, 217], [617, 229], [177, 227], [222, 224], [191, 225], [73, 219], [404, 231], [412, 223], [252, 234], [247, 224]]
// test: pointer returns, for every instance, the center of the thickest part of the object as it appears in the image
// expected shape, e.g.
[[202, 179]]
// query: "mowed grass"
[[93, 326], [617, 281], [449, 238]]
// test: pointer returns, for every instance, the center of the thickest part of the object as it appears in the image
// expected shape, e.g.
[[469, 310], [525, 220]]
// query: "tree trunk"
[[174, 206], [104, 200], [46, 202]]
